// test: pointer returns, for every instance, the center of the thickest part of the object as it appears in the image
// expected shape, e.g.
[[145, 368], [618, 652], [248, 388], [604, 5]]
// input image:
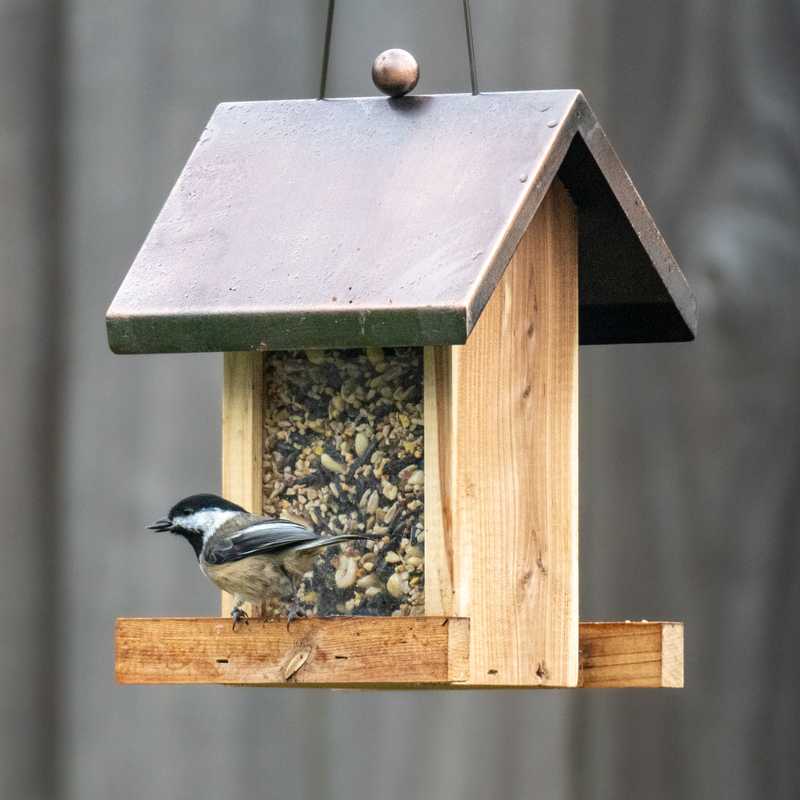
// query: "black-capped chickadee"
[[253, 558]]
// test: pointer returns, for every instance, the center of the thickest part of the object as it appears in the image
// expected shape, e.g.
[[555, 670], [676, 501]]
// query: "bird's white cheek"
[[206, 522]]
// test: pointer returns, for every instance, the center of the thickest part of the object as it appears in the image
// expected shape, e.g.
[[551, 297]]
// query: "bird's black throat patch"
[[194, 538]]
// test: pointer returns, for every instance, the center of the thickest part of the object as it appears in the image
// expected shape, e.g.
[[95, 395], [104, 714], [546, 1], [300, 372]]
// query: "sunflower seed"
[[346, 572], [397, 585], [330, 464]]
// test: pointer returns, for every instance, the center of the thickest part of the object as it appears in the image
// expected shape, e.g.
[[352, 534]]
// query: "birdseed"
[[343, 453]]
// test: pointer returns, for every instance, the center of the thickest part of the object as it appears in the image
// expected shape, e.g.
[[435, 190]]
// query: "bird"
[[254, 558]]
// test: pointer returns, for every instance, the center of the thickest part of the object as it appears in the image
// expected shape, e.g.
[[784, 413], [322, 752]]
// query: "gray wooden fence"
[[689, 453]]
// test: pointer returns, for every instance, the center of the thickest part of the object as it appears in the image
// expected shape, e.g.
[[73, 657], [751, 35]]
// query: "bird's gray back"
[[253, 535]]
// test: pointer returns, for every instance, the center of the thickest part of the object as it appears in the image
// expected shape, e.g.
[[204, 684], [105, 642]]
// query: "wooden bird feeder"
[[399, 287]]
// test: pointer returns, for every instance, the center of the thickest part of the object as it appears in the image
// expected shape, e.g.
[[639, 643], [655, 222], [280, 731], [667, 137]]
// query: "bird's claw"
[[295, 611], [239, 615]]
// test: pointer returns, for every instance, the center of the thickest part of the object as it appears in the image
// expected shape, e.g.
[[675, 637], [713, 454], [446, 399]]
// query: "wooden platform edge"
[[371, 653], [366, 652], [631, 655]]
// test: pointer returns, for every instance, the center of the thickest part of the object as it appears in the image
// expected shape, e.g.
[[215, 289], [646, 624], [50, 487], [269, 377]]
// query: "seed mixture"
[[343, 453]]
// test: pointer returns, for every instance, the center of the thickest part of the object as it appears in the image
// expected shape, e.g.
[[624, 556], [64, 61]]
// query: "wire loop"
[[326, 50]]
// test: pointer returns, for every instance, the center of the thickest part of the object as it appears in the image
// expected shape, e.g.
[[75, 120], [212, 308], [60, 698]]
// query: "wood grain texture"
[[439, 442], [374, 652], [514, 492], [242, 433], [631, 654]]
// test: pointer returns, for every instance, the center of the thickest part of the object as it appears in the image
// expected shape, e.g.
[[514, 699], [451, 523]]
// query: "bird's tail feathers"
[[342, 537]]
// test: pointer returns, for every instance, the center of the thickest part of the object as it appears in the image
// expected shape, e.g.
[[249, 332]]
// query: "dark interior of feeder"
[[344, 453]]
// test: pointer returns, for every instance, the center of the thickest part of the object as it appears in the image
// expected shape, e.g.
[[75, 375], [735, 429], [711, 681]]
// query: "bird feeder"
[[399, 287]]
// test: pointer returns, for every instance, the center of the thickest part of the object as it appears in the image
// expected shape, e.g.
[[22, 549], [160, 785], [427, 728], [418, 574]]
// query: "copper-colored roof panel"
[[354, 222]]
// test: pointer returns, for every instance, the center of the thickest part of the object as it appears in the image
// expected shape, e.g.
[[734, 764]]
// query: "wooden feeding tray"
[[400, 309], [373, 652]]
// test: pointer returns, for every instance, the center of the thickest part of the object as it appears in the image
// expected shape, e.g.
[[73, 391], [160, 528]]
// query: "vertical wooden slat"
[[38, 486], [242, 433], [513, 421], [439, 534]]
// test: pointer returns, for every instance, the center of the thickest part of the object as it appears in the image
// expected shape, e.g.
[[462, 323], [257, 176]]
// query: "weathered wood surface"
[[504, 543], [374, 653], [378, 652], [33, 320], [242, 432], [631, 654]]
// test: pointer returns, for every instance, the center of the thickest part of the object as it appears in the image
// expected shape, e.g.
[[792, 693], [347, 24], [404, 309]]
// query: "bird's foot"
[[295, 611], [239, 615]]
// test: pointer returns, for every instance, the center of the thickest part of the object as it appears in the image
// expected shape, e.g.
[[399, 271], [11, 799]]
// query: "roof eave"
[[164, 332]]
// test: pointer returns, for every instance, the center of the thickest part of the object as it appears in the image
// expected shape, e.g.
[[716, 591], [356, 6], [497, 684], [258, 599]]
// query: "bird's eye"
[[187, 512]]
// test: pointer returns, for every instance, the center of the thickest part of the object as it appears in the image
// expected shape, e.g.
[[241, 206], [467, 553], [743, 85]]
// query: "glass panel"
[[343, 440]]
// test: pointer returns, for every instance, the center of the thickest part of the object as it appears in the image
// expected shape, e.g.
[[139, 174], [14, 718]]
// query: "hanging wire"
[[473, 67], [326, 50]]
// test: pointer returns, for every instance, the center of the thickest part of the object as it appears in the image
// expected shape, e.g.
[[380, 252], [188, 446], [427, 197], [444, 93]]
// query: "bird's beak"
[[161, 525]]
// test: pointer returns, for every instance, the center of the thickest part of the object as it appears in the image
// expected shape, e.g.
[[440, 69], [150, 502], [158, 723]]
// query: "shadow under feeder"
[[325, 244]]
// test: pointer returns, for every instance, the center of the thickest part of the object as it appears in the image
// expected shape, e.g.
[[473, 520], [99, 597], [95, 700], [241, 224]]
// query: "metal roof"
[[375, 221]]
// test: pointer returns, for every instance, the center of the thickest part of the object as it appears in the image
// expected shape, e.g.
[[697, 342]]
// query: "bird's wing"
[[258, 537]]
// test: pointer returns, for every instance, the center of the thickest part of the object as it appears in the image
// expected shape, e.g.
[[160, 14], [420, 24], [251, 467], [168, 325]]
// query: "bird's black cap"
[[201, 502]]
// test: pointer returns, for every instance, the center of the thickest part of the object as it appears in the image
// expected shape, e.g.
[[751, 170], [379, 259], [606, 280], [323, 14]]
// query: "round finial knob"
[[395, 72]]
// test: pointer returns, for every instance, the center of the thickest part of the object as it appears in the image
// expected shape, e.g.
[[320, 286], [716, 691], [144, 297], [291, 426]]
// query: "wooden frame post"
[[501, 452], [242, 436]]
